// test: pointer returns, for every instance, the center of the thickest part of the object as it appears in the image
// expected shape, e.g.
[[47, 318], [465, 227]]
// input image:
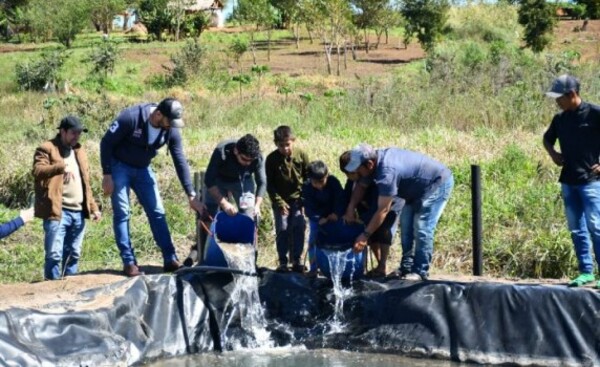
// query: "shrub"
[[42, 74], [103, 58], [186, 63]]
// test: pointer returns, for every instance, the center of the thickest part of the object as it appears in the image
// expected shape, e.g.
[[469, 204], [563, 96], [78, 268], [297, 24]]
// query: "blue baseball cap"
[[563, 85]]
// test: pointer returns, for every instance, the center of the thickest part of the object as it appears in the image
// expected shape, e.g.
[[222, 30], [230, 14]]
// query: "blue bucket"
[[339, 236], [227, 229]]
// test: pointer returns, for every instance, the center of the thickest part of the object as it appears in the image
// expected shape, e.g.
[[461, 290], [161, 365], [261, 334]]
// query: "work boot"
[[132, 270], [172, 266]]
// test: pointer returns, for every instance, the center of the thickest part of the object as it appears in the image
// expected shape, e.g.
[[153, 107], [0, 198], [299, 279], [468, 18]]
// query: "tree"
[[178, 8], [592, 8], [63, 19], [258, 13], [156, 15], [333, 23], [537, 16], [426, 19], [103, 12], [368, 16]]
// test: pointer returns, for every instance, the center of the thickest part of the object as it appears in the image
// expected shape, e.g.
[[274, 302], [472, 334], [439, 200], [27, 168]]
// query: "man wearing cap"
[[63, 197], [126, 151], [577, 129], [425, 185]]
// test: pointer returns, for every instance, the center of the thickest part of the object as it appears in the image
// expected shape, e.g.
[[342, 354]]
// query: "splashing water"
[[338, 262], [244, 300]]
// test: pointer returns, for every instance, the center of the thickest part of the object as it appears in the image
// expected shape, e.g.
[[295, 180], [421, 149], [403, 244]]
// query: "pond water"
[[299, 357]]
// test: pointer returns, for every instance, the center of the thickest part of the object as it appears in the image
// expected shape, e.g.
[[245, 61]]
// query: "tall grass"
[[476, 100]]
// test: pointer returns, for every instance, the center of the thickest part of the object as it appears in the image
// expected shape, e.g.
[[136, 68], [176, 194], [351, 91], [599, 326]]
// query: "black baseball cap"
[[72, 123], [173, 110]]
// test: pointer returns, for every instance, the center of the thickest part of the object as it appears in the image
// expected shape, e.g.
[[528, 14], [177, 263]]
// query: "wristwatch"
[[367, 234]]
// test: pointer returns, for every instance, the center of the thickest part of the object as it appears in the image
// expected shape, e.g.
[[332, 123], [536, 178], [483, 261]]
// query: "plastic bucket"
[[227, 229], [338, 236]]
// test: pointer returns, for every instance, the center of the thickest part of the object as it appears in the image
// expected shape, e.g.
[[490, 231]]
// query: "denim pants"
[[143, 183], [418, 223], [582, 208], [62, 243], [289, 233]]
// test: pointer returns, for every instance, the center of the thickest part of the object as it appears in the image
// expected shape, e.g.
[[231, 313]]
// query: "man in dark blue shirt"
[[577, 129], [425, 185], [126, 151]]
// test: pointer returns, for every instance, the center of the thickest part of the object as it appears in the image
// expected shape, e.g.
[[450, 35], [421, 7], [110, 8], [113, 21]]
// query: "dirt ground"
[[308, 60]]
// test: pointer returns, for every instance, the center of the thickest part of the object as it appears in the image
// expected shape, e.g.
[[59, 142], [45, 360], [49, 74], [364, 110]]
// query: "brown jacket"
[[48, 170]]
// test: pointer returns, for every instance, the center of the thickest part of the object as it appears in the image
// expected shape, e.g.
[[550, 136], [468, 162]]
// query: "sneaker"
[[582, 279], [411, 276]]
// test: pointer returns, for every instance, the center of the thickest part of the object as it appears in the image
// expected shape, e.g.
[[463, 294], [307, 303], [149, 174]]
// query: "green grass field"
[[470, 102]]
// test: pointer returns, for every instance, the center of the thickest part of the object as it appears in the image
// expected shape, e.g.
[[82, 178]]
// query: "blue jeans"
[[62, 243], [143, 183], [289, 233], [582, 208], [418, 222]]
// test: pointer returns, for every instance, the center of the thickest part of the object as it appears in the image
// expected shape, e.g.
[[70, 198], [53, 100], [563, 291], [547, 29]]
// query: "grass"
[[492, 114]]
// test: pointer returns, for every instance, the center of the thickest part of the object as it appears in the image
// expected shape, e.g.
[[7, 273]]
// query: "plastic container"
[[338, 236], [227, 229]]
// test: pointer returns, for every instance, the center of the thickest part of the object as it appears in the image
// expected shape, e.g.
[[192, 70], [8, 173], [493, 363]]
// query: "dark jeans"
[[289, 233]]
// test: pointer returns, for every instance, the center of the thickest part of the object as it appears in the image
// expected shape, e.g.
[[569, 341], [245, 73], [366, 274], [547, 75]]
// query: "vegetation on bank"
[[475, 99]]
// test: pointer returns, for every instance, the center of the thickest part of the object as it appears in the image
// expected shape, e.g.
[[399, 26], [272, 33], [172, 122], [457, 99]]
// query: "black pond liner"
[[163, 316]]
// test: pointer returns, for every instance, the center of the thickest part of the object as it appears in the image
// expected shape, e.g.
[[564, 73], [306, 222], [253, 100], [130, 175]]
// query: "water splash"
[[339, 261], [244, 302]]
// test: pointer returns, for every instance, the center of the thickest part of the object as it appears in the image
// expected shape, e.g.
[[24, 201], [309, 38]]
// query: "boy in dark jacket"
[[323, 200]]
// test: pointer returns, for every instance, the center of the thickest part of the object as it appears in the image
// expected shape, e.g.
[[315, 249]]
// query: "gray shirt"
[[407, 174]]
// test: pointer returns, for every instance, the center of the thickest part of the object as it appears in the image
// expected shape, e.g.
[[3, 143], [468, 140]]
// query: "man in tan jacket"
[[63, 197]]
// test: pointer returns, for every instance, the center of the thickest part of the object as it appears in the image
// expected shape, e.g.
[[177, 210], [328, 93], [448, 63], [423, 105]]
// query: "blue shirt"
[[320, 203], [8, 228], [408, 175], [127, 141]]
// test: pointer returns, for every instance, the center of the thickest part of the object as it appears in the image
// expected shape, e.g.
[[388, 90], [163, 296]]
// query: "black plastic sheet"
[[156, 317]]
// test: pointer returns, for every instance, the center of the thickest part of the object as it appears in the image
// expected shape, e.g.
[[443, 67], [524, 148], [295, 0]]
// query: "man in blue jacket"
[[126, 151]]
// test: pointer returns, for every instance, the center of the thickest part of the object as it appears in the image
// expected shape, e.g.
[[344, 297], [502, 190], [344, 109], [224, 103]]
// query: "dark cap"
[[72, 123], [563, 85], [173, 110]]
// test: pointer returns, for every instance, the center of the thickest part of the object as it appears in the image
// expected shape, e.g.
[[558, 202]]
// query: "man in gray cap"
[[577, 129], [63, 197], [425, 185], [126, 151]]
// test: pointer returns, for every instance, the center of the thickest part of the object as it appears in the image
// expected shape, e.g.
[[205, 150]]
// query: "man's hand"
[[229, 208], [96, 216], [557, 158], [26, 214], [322, 221], [332, 217], [68, 176], [349, 216], [196, 205], [284, 210], [107, 185], [360, 243], [596, 170]]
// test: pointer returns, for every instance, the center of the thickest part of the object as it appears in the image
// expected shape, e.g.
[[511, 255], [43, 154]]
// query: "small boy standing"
[[287, 168], [323, 199]]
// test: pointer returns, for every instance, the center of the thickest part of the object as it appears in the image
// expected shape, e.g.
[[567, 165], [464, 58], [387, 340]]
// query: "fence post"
[[476, 219]]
